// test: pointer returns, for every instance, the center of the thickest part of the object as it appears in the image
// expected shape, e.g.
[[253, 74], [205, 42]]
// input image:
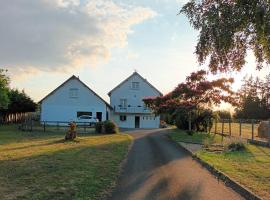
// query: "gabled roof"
[[76, 78], [133, 74]]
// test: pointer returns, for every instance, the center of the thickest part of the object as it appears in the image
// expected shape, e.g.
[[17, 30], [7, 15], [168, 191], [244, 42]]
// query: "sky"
[[45, 42]]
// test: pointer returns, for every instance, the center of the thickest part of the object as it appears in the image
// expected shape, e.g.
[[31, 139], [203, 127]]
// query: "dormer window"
[[73, 92], [135, 85]]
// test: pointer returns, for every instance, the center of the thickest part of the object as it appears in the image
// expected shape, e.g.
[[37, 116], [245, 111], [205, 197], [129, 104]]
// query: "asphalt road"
[[159, 169]]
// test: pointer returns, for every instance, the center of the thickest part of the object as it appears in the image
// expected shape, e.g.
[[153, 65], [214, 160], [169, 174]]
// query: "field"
[[249, 167], [41, 165], [235, 129]]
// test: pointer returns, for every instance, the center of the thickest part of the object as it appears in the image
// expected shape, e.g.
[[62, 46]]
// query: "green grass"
[[250, 167], [42, 165], [199, 138]]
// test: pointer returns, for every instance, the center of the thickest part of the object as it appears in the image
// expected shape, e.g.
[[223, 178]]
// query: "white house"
[[72, 99], [129, 110]]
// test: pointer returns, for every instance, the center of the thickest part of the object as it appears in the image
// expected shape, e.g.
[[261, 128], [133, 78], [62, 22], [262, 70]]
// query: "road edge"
[[109, 192], [228, 181]]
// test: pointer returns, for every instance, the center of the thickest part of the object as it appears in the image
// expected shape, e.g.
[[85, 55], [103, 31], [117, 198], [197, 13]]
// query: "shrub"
[[98, 127], [235, 145], [110, 127], [190, 132]]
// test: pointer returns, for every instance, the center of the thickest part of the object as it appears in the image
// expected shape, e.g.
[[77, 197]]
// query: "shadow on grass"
[[72, 173]]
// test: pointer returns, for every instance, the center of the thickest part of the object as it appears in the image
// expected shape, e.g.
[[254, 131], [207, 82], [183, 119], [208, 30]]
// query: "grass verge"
[[41, 165], [250, 167]]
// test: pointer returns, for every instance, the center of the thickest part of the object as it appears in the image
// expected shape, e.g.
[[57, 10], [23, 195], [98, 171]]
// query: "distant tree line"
[[254, 96], [12, 101]]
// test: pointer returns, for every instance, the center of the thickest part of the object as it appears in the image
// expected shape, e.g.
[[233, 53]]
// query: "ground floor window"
[[123, 117], [80, 113]]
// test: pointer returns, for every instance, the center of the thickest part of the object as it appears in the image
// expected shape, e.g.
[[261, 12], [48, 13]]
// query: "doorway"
[[99, 116], [137, 121]]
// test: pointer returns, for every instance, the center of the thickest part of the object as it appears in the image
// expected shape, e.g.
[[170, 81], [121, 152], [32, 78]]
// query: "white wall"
[[146, 121], [134, 99], [60, 107]]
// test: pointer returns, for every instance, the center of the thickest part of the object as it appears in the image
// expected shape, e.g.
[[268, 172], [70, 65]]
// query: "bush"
[[98, 127], [190, 132], [110, 127], [235, 145], [106, 127]]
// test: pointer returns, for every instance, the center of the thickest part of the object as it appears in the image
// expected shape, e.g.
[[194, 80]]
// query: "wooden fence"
[[240, 128]]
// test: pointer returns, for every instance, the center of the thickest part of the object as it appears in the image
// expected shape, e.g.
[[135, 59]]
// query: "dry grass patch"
[[44, 166]]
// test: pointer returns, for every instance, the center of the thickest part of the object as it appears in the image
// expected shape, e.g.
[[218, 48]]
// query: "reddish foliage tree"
[[196, 92]]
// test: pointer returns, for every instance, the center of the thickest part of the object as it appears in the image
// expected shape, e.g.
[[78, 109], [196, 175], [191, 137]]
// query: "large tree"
[[194, 95], [228, 29]]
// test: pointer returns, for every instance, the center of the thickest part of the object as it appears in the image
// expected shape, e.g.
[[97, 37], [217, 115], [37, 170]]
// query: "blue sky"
[[102, 42]]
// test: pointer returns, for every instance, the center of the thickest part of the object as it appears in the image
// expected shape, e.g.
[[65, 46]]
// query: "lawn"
[[198, 138], [40, 165], [251, 167]]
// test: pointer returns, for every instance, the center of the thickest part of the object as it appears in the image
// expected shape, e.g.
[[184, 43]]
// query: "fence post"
[[240, 127], [222, 131], [189, 121], [31, 125], [252, 121], [230, 128], [44, 126], [207, 126], [216, 126]]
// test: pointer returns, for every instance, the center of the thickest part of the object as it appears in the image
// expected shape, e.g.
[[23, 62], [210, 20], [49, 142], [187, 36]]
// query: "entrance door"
[[137, 121], [99, 116]]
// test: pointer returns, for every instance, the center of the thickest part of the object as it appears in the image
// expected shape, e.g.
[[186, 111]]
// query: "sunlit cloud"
[[63, 35]]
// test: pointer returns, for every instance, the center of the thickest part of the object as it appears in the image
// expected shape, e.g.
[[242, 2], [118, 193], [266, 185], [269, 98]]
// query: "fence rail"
[[45, 126], [241, 128]]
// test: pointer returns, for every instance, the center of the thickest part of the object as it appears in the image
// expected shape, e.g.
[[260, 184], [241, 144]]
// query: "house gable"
[[135, 74], [62, 94]]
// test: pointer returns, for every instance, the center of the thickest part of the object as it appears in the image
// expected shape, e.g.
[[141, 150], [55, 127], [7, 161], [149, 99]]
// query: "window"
[[123, 117], [135, 85], [73, 93], [80, 113], [123, 103]]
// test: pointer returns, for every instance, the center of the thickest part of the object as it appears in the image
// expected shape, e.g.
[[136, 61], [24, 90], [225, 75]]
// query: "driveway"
[[157, 168]]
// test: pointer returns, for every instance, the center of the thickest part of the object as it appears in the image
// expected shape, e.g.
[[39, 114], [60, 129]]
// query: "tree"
[[228, 28], [193, 96], [4, 87], [20, 102], [254, 98]]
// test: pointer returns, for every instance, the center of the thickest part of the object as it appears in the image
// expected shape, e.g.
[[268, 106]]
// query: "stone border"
[[228, 181]]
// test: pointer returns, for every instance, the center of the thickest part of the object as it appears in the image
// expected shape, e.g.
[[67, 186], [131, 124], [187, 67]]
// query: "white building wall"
[[60, 107], [135, 101]]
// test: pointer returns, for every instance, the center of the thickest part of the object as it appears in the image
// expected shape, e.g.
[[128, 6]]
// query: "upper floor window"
[[135, 85], [73, 92], [123, 103]]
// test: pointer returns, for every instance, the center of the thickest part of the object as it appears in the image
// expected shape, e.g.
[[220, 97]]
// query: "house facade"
[[72, 99], [126, 100]]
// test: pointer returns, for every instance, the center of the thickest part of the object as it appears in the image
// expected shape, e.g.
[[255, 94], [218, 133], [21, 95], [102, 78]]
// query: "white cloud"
[[59, 35]]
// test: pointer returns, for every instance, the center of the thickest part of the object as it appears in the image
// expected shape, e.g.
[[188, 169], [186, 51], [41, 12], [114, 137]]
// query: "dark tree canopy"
[[228, 28], [4, 87], [20, 102], [254, 99]]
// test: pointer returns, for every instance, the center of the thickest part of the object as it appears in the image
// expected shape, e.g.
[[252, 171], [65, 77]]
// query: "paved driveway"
[[158, 169]]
